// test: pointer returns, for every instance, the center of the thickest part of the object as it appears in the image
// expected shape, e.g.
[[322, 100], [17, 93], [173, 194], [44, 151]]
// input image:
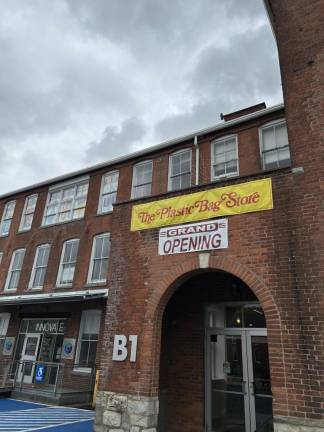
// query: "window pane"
[[230, 156], [175, 183], [55, 196], [67, 274], [270, 160], [98, 247], [106, 243], [31, 204], [91, 323], [92, 353], [103, 269], [9, 211], [175, 165], [231, 145], [67, 252], [74, 250], [219, 148], [39, 277], [108, 201], [231, 167], [268, 139], [281, 135], [66, 204], [5, 226], [84, 349], [82, 190], [185, 180], [78, 214], [284, 157], [219, 169]]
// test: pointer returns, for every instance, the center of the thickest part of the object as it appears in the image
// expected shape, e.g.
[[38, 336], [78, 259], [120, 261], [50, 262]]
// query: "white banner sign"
[[194, 237]]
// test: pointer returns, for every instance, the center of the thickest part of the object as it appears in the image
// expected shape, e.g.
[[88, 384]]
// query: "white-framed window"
[[66, 203], [37, 276], [180, 165], [68, 262], [15, 267], [108, 191], [88, 339], [224, 157], [1, 257], [274, 145], [28, 213], [99, 258], [7, 216], [4, 324], [142, 179]]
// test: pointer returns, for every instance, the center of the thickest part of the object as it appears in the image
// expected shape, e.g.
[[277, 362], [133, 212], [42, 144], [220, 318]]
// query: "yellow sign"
[[230, 200]]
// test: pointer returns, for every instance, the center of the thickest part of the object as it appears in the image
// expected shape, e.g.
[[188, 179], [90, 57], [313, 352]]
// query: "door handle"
[[244, 389], [252, 389]]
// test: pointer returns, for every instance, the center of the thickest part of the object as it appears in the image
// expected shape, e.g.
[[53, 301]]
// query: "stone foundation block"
[[126, 413]]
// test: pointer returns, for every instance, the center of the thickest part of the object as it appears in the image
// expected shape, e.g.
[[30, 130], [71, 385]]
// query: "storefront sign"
[[120, 351], [194, 237], [49, 326], [230, 200], [40, 373], [8, 346], [68, 348]]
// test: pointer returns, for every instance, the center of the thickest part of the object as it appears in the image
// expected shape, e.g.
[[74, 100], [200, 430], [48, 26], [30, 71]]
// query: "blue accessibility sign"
[[40, 373]]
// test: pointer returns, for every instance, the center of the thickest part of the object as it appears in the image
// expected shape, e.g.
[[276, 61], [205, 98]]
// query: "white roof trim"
[[148, 150], [54, 297]]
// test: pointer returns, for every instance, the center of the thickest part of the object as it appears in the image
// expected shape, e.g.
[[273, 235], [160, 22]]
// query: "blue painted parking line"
[[45, 418]]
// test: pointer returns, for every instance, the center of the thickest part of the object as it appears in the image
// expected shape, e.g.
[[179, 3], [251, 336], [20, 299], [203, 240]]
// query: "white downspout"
[[197, 159]]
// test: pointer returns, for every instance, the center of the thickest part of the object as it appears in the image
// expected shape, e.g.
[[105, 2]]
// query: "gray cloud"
[[69, 68], [116, 142], [226, 79]]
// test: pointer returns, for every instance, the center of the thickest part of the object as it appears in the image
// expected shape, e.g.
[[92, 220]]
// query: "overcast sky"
[[83, 81]]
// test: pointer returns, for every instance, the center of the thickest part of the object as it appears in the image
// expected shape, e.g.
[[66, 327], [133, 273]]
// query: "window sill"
[[22, 231], [81, 371], [95, 284], [104, 213], [224, 177], [62, 286]]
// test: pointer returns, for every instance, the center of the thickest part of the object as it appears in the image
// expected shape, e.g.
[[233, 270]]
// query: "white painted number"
[[120, 351]]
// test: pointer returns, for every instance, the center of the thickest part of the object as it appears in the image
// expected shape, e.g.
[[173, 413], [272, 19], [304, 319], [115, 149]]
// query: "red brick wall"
[[93, 224], [300, 36]]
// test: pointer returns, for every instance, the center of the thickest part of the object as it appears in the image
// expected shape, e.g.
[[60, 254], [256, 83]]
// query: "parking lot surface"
[[18, 416]]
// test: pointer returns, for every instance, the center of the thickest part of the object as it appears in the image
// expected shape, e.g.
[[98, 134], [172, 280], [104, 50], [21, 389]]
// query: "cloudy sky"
[[83, 81]]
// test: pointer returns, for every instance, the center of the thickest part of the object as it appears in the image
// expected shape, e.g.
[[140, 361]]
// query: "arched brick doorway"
[[184, 339]]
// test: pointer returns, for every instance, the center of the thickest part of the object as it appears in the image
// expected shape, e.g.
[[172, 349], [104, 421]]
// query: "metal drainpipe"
[[197, 159]]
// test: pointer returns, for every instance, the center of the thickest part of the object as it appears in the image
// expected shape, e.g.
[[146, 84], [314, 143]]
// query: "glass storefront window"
[[253, 317], [234, 317]]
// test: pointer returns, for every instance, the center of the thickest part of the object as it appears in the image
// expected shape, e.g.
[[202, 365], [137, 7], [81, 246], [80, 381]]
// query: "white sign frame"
[[196, 237], [5, 351], [70, 355]]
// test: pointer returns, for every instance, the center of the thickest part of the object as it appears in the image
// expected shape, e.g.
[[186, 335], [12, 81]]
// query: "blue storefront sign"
[[40, 373]]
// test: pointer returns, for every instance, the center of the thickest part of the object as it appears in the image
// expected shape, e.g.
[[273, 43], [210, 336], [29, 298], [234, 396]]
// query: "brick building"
[[190, 273]]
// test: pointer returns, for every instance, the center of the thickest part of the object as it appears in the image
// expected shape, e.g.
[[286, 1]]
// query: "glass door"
[[28, 357], [259, 381], [227, 403], [238, 381]]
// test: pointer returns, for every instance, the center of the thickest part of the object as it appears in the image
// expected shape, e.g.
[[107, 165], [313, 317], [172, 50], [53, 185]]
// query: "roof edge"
[[148, 150]]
